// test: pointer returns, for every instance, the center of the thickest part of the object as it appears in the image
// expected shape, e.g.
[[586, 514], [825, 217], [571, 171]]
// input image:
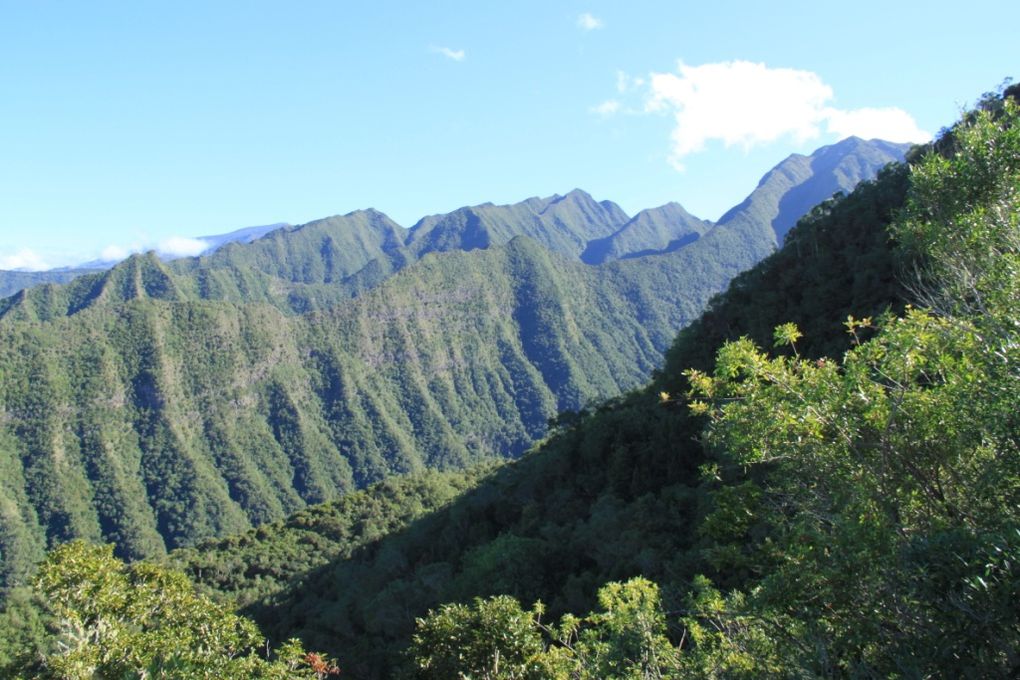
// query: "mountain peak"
[[658, 230], [562, 223], [790, 189], [579, 194], [370, 213]]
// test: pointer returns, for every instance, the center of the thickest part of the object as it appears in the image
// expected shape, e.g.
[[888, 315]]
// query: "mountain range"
[[626, 487], [573, 224], [156, 404], [819, 481], [11, 281]]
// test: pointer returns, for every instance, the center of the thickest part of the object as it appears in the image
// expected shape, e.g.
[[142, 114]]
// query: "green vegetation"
[[494, 638], [156, 406], [885, 488], [110, 620], [866, 512], [156, 422], [615, 492], [324, 251], [843, 516], [262, 562]]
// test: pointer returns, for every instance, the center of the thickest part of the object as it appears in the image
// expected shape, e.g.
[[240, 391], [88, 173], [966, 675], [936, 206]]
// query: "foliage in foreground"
[[111, 620], [866, 511], [495, 638], [886, 487], [614, 493]]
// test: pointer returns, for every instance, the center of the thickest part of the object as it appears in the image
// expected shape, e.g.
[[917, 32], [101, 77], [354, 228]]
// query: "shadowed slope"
[[613, 493]]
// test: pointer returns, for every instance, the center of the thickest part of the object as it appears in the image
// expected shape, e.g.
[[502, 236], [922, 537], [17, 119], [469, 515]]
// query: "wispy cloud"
[[625, 83], [587, 22], [607, 108], [749, 104], [115, 253], [181, 246], [174, 246], [449, 53], [24, 259]]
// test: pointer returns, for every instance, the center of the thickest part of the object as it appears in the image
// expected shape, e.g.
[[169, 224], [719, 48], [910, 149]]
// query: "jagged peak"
[[578, 194], [671, 207], [371, 213], [576, 197], [539, 202]]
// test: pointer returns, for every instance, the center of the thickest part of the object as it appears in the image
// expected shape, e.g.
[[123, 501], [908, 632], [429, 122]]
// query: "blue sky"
[[127, 125]]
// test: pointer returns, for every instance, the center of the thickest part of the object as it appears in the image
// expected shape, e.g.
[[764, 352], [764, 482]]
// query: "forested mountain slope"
[[355, 251], [848, 515], [656, 230], [156, 404], [324, 251], [563, 224], [150, 419], [615, 491], [799, 183], [882, 485]]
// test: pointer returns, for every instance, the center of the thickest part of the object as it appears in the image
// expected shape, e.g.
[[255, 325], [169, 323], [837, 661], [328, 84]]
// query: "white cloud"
[[587, 22], [606, 108], [181, 246], [748, 104], [115, 253], [890, 124], [737, 102], [626, 83], [449, 53], [173, 246], [24, 259]]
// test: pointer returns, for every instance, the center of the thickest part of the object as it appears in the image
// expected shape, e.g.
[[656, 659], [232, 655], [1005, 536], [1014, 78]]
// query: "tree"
[[492, 639], [144, 621], [890, 480], [625, 641], [495, 638]]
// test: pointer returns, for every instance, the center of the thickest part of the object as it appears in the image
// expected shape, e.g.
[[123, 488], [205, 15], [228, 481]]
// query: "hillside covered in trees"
[[157, 404], [821, 481], [841, 503]]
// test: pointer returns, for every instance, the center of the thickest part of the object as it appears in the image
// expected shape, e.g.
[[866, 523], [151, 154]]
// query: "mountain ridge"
[[615, 491], [633, 487], [161, 403], [225, 415], [655, 230], [796, 174], [572, 223]]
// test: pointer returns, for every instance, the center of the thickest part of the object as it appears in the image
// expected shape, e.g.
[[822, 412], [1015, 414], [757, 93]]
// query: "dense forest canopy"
[[823, 480], [848, 515], [159, 404], [862, 513]]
